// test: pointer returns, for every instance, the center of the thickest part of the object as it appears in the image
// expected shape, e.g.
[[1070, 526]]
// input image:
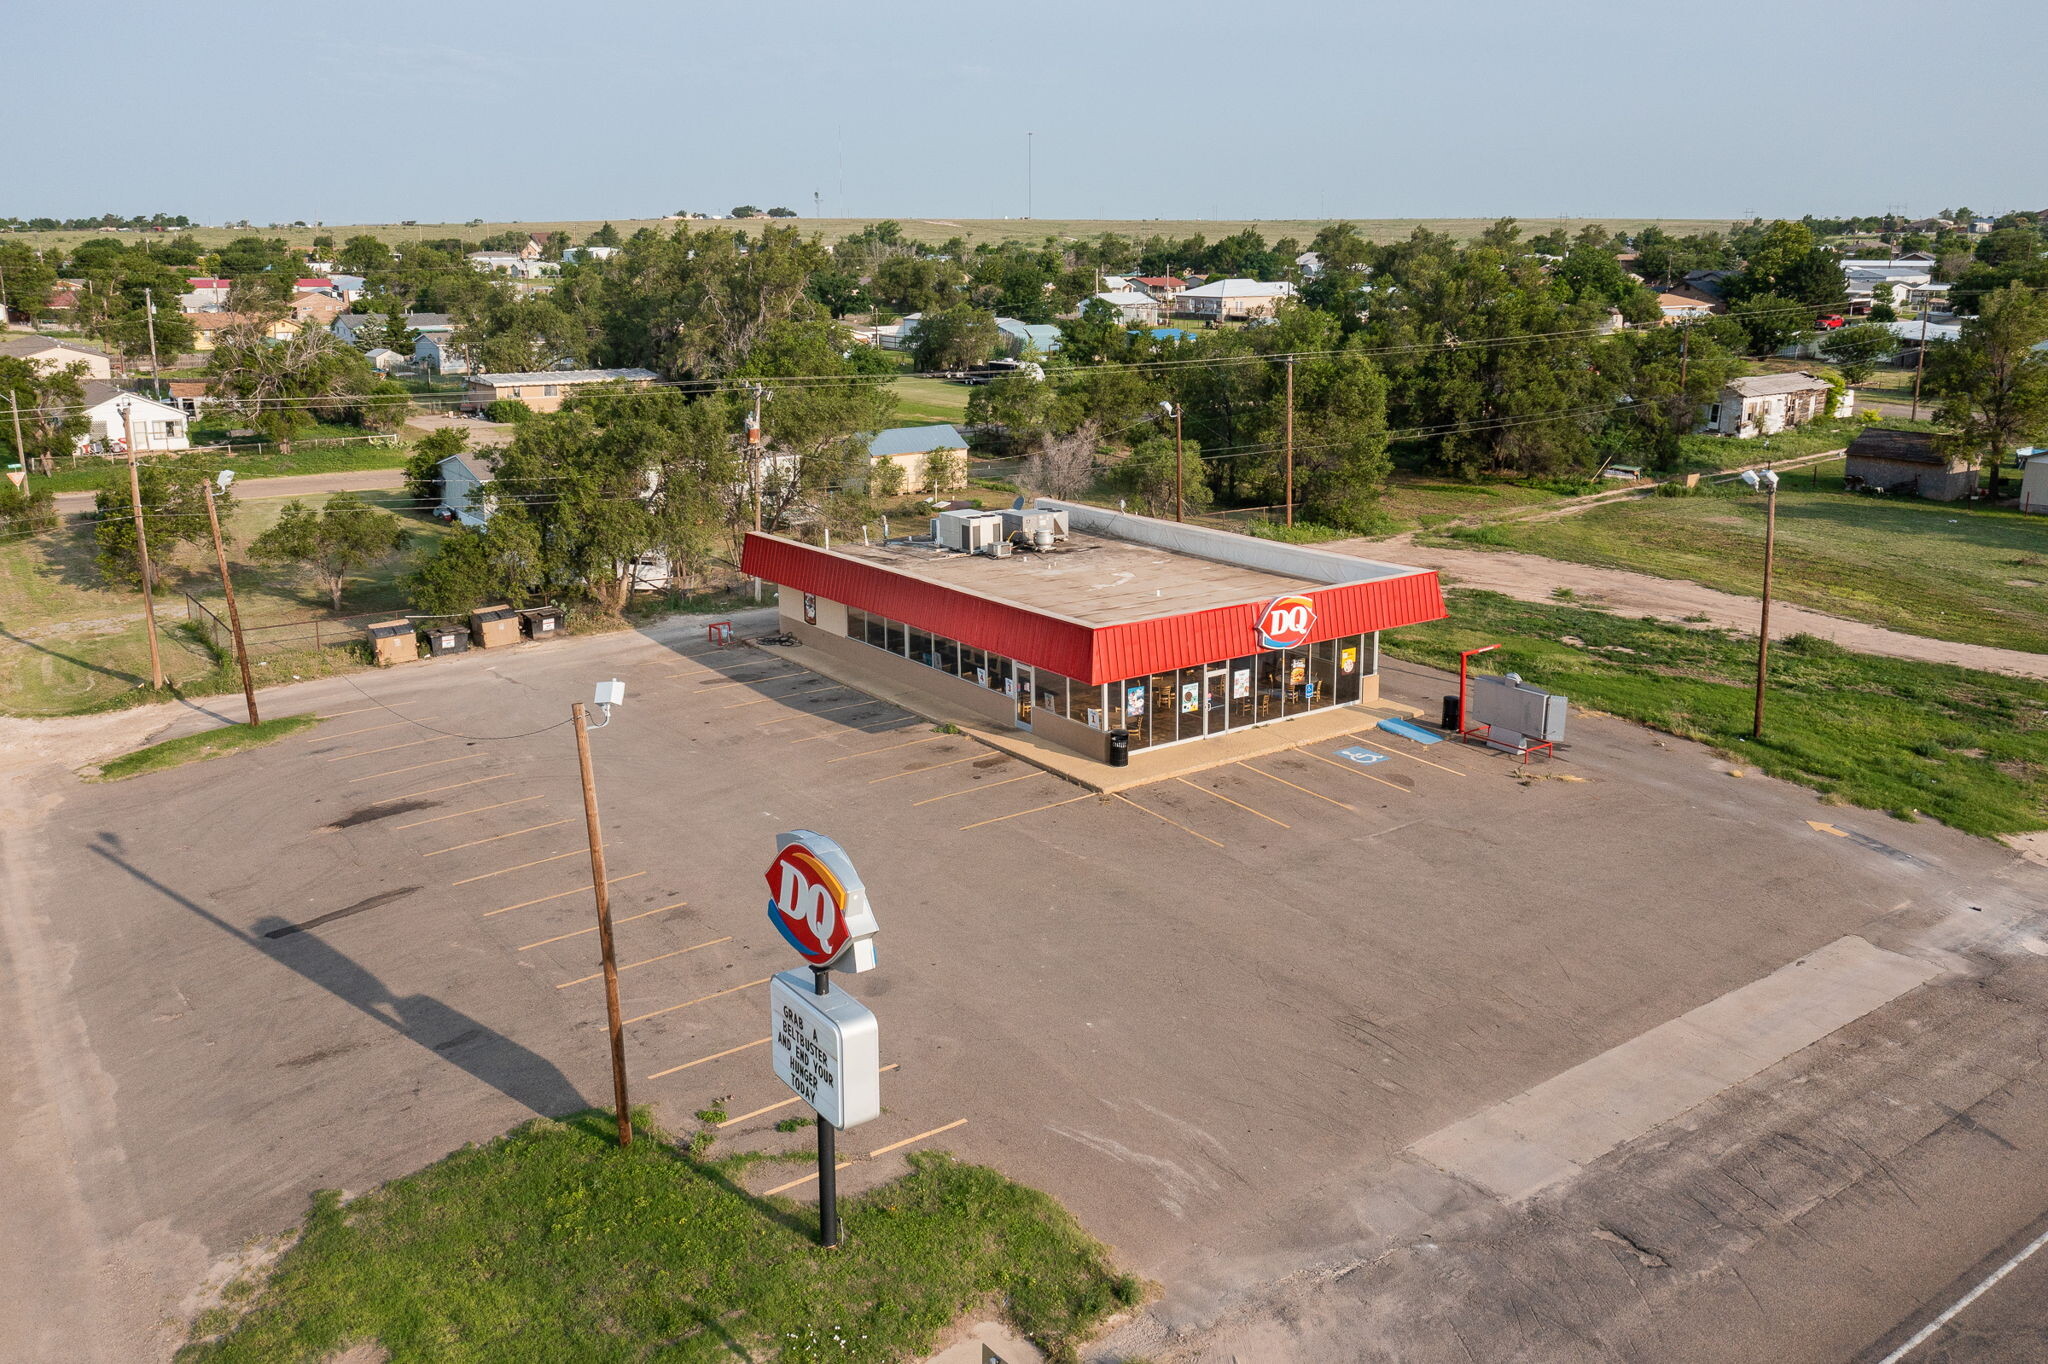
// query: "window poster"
[[1190, 698], [1009, 686], [1347, 660], [1134, 700], [981, 676], [1094, 718], [1241, 684], [810, 608], [1297, 672]]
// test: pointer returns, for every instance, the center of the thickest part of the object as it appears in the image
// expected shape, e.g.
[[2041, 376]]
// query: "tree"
[[944, 470], [1881, 309], [282, 387], [1856, 350], [331, 544], [604, 236], [1991, 384], [393, 333], [916, 284], [29, 279], [173, 508], [954, 338], [746, 211], [1146, 477], [30, 512], [884, 477], [423, 470], [364, 255], [1772, 321], [52, 408], [782, 213], [470, 568], [1063, 465]]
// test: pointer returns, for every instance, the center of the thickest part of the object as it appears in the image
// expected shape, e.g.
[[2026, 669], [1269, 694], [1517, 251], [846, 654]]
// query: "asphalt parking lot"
[[1223, 1017]]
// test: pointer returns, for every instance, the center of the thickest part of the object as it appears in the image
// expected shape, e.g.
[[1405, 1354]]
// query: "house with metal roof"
[[1765, 404], [49, 355], [1910, 462], [910, 449], [543, 390], [1139, 309], [461, 476], [1233, 299], [1020, 339]]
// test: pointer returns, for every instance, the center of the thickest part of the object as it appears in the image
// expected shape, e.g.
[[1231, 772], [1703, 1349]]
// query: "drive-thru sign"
[[825, 1043], [827, 1049]]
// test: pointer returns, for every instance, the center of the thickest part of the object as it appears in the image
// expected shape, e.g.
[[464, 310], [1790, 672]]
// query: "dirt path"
[[1530, 577], [297, 485]]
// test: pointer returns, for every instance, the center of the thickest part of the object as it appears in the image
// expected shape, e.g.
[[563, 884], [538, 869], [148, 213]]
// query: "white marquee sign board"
[[826, 1048]]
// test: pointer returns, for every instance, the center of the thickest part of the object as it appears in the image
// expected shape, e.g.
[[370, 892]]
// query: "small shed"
[[447, 638], [541, 622], [1909, 462], [493, 627], [2034, 482], [393, 641]]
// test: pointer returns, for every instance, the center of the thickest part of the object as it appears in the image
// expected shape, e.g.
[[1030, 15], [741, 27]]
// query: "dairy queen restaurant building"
[[1097, 630]]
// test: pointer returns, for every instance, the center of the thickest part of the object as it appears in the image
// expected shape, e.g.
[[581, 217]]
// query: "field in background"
[[931, 230], [926, 402]]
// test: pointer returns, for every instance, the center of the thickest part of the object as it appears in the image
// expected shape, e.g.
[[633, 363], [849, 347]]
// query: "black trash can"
[[1450, 720], [1119, 748]]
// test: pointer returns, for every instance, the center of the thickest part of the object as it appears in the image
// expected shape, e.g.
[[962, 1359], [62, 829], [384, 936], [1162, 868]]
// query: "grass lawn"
[[70, 644], [1949, 571], [92, 472], [1967, 748], [191, 748], [552, 1244], [926, 402], [1415, 500], [1711, 454]]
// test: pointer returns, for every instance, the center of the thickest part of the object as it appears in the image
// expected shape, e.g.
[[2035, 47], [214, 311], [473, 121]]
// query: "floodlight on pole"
[[1179, 504]]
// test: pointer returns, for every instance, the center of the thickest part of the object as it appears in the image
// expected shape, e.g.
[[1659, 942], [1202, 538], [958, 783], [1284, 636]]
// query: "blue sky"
[[374, 112]]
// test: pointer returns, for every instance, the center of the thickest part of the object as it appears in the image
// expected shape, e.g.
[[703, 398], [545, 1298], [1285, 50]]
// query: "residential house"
[[347, 288], [207, 327], [1765, 404], [385, 360], [1136, 308], [318, 309], [437, 351], [579, 253], [1910, 462], [50, 355], [190, 396], [898, 335], [312, 285], [1022, 339], [544, 390], [1683, 303], [1981, 226], [208, 295], [1310, 263], [358, 328], [1233, 300], [909, 447], [1711, 282], [462, 475], [152, 425], [1162, 287], [514, 263], [1112, 283]]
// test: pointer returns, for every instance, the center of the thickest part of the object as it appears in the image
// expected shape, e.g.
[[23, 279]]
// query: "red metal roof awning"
[[1091, 654]]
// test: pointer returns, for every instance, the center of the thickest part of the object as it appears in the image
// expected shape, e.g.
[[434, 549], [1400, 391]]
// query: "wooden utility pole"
[[20, 450], [1763, 637], [1290, 440], [156, 378], [227, 586], [1179, 503], [156, 662], [604, 926], [1920, 366]]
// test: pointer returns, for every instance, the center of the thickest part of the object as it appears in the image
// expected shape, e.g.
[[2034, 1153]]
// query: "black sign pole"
[[828, 1155]]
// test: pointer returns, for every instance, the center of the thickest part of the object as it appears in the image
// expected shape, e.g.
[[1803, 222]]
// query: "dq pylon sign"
[[817, 903]]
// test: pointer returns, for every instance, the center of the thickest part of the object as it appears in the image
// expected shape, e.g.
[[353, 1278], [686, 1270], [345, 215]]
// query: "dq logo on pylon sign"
[[1286, 621], [817, 902]]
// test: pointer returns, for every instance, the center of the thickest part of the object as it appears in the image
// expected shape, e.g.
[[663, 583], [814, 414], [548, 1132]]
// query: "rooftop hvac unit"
[[970, 532], [1034, 523]]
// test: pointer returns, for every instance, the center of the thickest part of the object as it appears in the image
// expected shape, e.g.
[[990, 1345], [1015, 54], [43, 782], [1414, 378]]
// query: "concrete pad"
[[989, 1342], [1146, 766], [1551, 1131]]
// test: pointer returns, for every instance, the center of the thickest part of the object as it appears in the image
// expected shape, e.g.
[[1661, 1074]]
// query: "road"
[[299, 485], [1390, 1062], [1531, 577]]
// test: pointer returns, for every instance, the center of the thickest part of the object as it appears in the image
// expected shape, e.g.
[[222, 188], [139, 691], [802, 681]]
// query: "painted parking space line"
[[336, 715], [1163, 819], [351, 733], [840, 731], [886, 748], [821, 684], [467, 757], [1238, 803], [715, 994], [970, 790], [458, 814], [826, 710], [537, 862], [435, 790], [1354, 770], [391, 748], [1303, 789], [872, 1155], [714, 1056], [573, 890], [564, 937], [647, 961], [928, 767], [479, 842], [1411, 757], [793, 1099], [1021, 813]]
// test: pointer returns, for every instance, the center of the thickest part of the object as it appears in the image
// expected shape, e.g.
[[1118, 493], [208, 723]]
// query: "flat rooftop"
[[1094, 579]]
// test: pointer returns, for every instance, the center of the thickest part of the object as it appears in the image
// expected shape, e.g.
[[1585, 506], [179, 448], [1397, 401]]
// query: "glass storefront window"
[[1130, 710], [1188, 703], [856, 624], [1350, 670], [1322, 674], [971, 659], [1240, 692], [1268, 682], [1049, 692], [921, 646], [878, 631], [948, 654], [892, 638]]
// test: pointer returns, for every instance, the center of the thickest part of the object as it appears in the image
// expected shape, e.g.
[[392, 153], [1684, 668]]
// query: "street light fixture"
[[1173, 410], [1765, 481]]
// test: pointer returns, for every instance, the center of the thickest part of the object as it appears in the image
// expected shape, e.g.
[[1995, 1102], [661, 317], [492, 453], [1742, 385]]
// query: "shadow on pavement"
[[490, 1056]]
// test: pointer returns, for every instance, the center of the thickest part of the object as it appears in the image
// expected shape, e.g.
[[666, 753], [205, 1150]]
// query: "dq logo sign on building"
[[817, 902], [1286, 622]]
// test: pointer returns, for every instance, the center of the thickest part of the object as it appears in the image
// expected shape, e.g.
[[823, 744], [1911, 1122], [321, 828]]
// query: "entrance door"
[[1022, 675], [1215, 697]]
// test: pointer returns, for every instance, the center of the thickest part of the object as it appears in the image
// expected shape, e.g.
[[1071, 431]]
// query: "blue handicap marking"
[[1363, 756]]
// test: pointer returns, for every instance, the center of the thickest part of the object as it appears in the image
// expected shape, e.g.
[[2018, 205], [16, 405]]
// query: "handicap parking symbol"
[[1363, 756]]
